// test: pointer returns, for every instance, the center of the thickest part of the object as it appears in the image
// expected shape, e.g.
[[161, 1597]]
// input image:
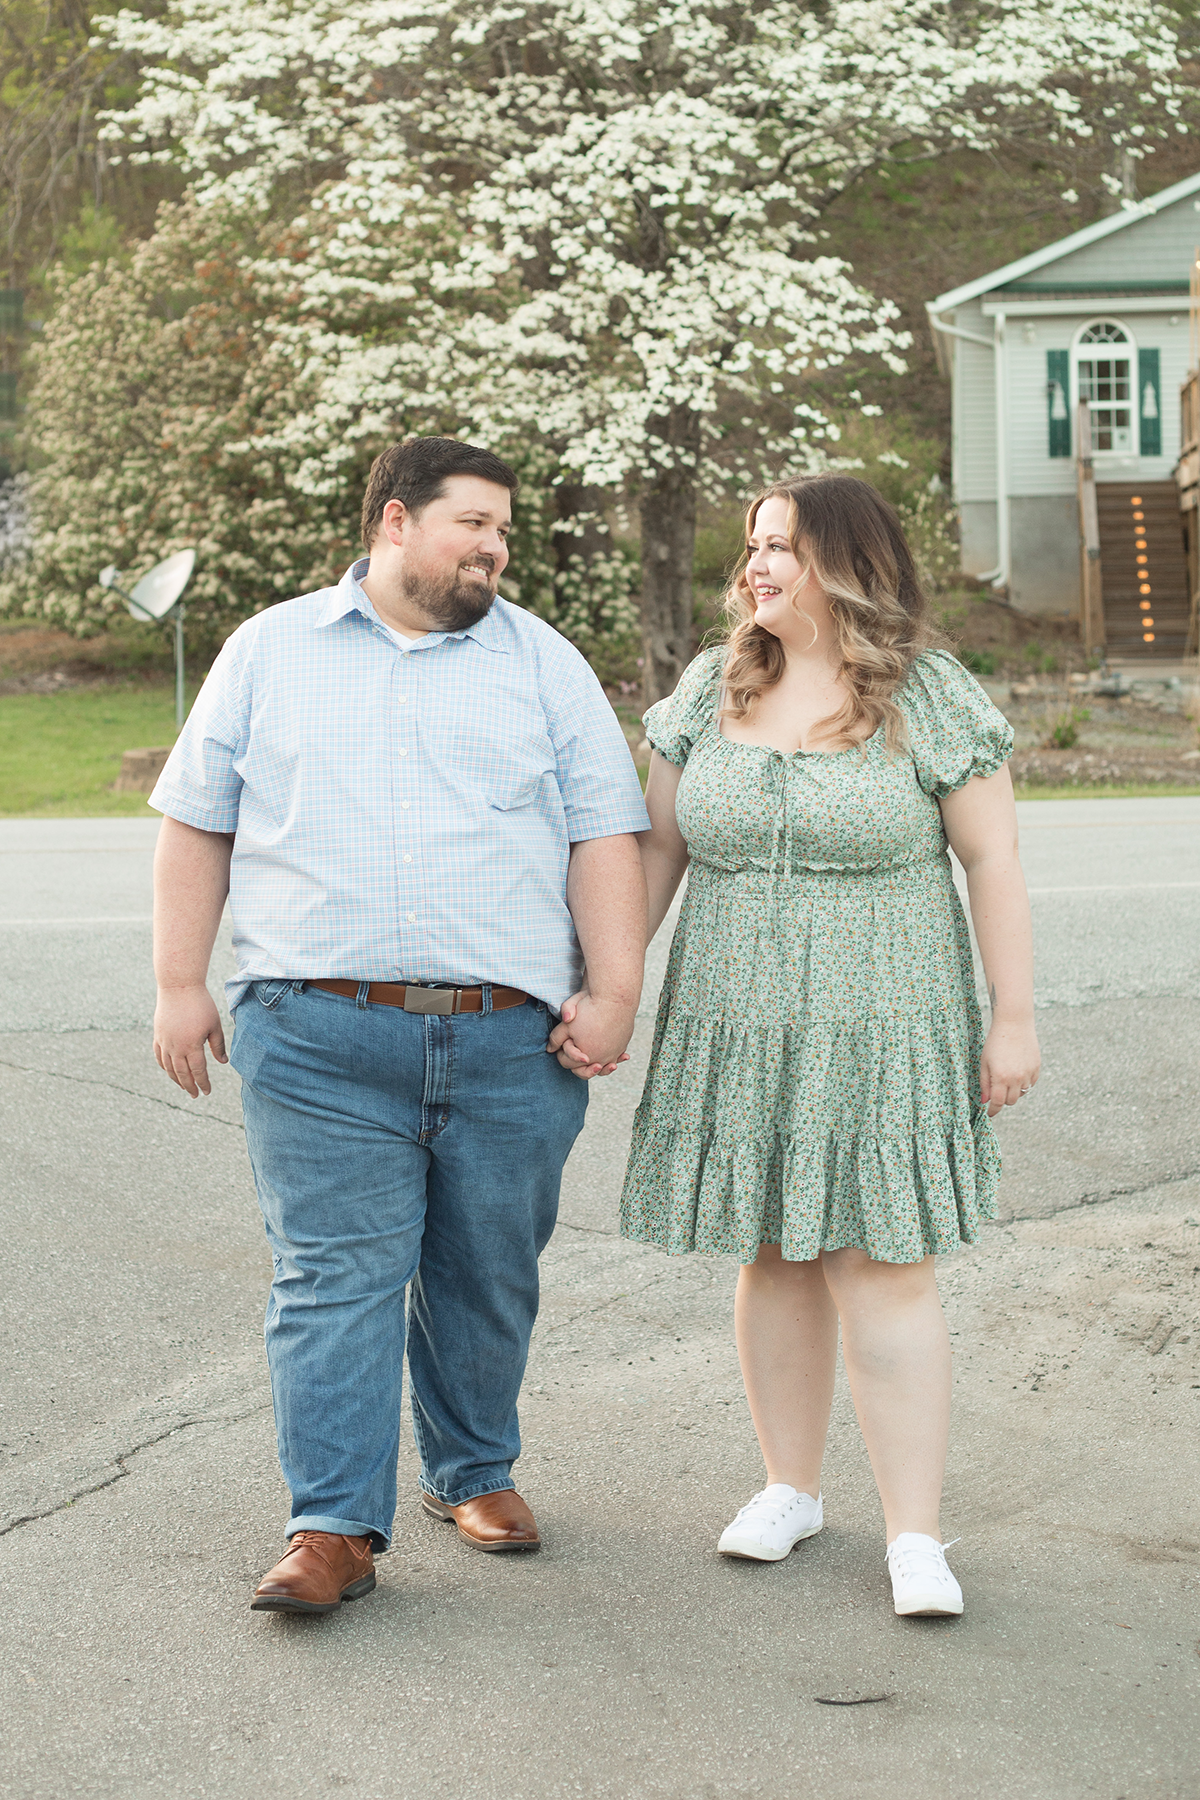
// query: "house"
[[1102, 316]]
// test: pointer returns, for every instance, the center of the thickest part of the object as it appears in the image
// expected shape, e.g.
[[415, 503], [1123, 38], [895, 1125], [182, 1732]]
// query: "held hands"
[[1010, 1064], [186, 1019], [593, 1034]]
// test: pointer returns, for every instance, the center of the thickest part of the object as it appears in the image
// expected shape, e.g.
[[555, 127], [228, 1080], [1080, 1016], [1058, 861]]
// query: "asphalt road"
[[140, 1498]]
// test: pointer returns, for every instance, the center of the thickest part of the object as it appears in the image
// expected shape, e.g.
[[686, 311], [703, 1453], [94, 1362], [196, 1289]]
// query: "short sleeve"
[[954, 730], [601, 793], [200, 784], [674, 724]]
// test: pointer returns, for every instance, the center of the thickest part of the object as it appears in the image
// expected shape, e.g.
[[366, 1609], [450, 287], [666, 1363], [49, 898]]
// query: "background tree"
[[173, 404], [644, 182], [62, 200], [155, 383], [61, 193]]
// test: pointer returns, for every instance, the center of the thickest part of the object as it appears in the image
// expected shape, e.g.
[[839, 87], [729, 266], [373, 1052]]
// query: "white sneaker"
[[921, 1579], [772, 1524]]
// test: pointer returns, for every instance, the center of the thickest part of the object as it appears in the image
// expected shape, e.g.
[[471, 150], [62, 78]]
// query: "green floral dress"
[[814, 1081]]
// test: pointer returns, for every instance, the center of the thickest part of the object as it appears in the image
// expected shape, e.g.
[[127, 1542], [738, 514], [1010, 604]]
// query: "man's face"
[[453, 554]]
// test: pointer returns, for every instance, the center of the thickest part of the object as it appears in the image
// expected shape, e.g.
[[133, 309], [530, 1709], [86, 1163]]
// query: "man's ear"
[[395, 517]]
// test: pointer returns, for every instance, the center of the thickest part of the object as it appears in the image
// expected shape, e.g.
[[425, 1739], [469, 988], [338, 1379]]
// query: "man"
[[421, 808]]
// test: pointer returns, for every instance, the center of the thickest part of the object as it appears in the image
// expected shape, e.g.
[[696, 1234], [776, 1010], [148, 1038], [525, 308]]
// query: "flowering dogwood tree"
[[595, 225], [156, 422], [175, 400]]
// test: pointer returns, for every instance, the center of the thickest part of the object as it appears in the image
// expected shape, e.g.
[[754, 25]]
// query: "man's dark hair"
[[416, 472]]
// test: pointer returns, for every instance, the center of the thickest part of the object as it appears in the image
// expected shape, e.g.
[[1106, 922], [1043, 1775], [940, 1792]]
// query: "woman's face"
[[785, 593]]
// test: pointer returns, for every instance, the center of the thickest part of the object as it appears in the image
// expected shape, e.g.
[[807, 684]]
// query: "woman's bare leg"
[[786, 1326], [897, 1353]]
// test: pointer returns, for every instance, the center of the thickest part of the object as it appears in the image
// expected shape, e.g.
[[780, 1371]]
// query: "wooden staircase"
[[1147, 604]]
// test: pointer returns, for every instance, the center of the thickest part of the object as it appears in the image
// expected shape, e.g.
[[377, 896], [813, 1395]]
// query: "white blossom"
[[590, 232], [623, 197]]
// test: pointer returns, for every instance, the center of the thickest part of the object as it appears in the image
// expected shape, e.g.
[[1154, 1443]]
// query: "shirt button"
[[404, 753], [408, 859], [402, 698], [412, 918], [404, 806]]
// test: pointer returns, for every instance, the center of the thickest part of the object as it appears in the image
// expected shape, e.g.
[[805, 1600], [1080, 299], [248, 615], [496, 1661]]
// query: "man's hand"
[[593, 1034], [191, 880], [186, 1019], [606, 892]]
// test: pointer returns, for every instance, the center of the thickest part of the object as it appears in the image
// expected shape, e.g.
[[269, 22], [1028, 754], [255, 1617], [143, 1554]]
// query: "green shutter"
[[1058, 387], [1149, 404], [8, 396]]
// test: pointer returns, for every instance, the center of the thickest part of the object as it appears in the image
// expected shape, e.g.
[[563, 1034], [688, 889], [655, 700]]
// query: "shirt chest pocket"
[[503, 759]]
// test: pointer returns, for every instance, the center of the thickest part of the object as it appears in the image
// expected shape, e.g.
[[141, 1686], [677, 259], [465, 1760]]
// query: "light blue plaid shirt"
[[401, 814]]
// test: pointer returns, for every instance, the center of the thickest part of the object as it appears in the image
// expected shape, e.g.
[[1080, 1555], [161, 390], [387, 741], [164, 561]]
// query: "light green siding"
[[1159, 247]]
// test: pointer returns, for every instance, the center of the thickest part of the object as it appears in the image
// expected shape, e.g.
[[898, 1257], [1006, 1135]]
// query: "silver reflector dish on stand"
[[155, 597], [157, 592]]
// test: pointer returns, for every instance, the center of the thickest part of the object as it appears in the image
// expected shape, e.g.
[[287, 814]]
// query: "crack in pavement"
[[207, 1118], [57, 1482], [1101, 1198], [95, 1487]]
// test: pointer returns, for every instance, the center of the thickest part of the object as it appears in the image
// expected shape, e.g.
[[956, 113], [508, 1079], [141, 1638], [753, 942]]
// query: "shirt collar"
[[350, 596]]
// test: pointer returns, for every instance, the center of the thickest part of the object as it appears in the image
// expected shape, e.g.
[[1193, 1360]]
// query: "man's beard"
[[451, 605]]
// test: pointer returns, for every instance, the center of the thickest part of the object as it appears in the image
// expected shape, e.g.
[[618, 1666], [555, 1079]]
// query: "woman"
[[820, 1091]]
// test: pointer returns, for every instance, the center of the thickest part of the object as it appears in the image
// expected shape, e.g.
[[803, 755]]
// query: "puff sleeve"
[[674, 724], [954, 730]]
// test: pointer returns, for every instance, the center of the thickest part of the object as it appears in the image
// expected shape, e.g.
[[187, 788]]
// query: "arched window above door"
[[1103, 358]]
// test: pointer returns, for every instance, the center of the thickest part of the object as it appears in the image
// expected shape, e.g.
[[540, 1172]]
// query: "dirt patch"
[[1071, 737], [995, 639], [57, 679], [1103, 768], [36, 659]]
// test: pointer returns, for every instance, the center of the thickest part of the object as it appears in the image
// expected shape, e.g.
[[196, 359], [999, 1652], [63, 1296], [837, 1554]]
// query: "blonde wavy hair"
[[844, 532]]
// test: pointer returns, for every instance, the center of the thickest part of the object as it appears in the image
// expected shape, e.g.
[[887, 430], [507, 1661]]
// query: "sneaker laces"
[[749, 1507], [764, 1499], [909, 1558]]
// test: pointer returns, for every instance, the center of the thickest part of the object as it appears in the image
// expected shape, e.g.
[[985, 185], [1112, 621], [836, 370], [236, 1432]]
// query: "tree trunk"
[[570, 500], [668, 548]]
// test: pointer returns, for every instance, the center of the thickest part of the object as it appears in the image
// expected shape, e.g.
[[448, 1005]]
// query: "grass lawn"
[[1156, 790], [60, 753]]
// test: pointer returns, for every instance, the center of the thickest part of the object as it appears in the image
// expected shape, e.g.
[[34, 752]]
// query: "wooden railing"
[[1091, 574], [1187, 478]]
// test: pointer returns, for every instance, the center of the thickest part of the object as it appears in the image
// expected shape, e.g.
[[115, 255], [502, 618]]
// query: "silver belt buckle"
[[430, 1000]]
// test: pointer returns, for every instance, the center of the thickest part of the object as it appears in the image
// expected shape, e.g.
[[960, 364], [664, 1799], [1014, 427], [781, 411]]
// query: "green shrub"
[[1064, 730]]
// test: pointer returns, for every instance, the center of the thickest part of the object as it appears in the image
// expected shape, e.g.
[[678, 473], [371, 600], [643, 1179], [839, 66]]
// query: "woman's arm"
[[664, 852], [981, 824]]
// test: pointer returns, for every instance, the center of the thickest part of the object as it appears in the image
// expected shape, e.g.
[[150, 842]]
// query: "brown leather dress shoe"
[[490, 1521], [317, 1571]]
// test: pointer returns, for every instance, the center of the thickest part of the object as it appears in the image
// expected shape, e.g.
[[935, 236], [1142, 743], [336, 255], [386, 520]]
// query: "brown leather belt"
[[424, 999]]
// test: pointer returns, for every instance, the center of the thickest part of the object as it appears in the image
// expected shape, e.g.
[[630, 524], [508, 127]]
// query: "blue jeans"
[[396, 1151]]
